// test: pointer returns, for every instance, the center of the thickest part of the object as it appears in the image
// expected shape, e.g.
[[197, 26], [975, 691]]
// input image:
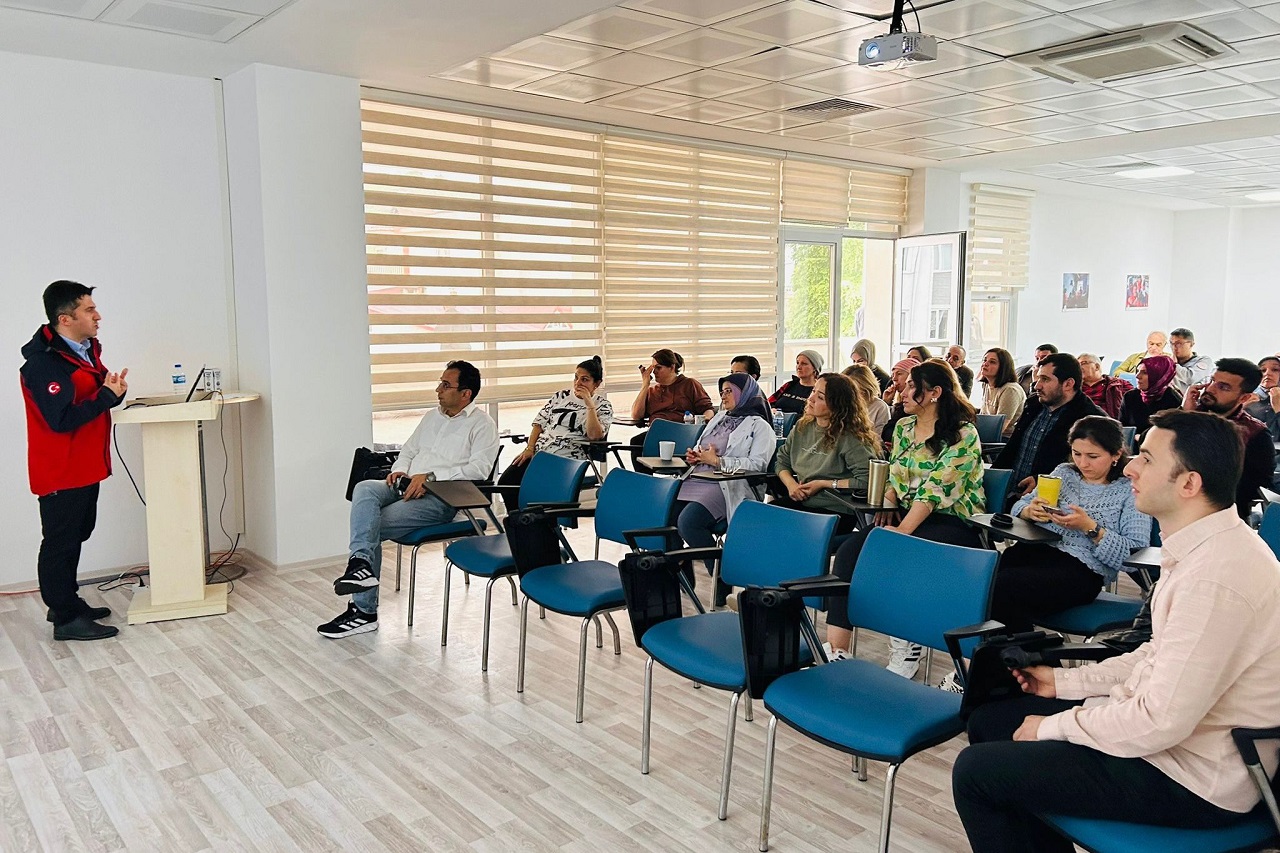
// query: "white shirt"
[[461, 447]]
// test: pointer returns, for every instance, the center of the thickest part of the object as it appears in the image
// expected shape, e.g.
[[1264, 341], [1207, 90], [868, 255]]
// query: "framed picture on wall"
[[1075, 291], [1137, 293]]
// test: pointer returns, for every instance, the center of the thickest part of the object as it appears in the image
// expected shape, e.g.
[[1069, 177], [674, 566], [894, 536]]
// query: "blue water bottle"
[[688, 417], [777, 423]]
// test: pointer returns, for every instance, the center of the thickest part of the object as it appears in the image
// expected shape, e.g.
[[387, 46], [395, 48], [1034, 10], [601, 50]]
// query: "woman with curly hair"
[[935, 483], [831, 446]]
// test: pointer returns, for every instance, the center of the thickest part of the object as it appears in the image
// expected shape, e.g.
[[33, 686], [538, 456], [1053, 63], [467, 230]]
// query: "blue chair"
[[859, 707], [587, 588], [1256, 830], [764, 546], [995, 486], [991, 428], [684, 435], [1131, 378], [550, 479], [1269, 530], [1114, 364], [1130, 439], [788, 422], [1107, 612]]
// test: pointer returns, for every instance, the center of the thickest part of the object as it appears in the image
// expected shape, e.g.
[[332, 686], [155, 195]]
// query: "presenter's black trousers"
[[999, 785], [67, 518]]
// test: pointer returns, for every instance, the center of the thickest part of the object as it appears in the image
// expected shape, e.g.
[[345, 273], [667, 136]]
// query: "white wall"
[[1108, 241], [111, 177]]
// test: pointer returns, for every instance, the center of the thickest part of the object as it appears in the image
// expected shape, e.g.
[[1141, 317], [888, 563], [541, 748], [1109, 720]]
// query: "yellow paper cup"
[[1048, 488]]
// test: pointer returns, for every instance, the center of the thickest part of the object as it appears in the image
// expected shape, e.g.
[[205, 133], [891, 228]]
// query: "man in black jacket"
[[1039, 441]]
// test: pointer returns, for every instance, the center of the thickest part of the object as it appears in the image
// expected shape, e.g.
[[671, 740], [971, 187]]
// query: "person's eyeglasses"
[[445, 386]]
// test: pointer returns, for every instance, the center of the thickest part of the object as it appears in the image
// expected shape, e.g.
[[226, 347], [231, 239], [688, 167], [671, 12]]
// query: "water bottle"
[[688, 417], [179, 380], [777, 423]]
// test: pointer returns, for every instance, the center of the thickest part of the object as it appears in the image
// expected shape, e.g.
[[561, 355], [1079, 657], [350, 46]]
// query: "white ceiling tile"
[[905, 92], [1272, 86], [1006, 114], [1044, 124], [908, 146], [1123, 14], [865, 139], [1037, 90], [494, 72], [249, 7], [791, 21], [770, 122], [956, 105], [878, 120], [781, 63], [1064, 5], [845, 80], [700, 12], [1089, 131], [985, 77], [1230, 111], [87, 9], [1028, 36], [572, 87], [1255, 50], [953, 153], [775, 96], [1085, 101], [624, 29], [1237, 94], [1124, 112], [954, 20], [1239, 25], [1014, 144], [874, 8], [974, 136], [846, 43], [821, 130], [706, 47], [1177, 119], [1178, 85], [1255, 71], [646, 100], [711, 112], [932, 127], [636, 69], [178, 18], [952, 56], [553, 53], [708, 83]]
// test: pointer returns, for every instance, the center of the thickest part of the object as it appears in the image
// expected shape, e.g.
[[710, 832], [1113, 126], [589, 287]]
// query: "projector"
[[895, 50]]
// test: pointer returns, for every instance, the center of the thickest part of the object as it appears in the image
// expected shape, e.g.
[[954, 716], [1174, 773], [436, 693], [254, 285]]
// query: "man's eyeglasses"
[[445, 386]]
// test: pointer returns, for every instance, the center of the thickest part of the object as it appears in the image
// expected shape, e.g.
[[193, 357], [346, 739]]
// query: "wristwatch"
[[1094, 533]]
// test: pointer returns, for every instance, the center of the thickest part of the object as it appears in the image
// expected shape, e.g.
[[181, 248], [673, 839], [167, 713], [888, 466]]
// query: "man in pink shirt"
[[1145, 737]]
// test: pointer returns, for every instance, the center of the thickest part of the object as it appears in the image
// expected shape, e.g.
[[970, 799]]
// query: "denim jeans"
[[378, 513]]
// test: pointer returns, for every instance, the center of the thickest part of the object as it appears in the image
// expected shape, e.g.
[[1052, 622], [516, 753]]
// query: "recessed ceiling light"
[[1270, 195], [1143, 172]]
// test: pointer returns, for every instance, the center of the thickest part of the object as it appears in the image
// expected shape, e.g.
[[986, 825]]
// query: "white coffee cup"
[[666, 449]]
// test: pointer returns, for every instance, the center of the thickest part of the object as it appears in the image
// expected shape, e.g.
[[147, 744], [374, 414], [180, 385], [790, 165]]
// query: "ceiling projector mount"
[[898, 48]]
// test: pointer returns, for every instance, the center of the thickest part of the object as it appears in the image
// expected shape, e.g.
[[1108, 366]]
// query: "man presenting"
[[455, 441], [1225, 394], [1146, 736], [68, 392]]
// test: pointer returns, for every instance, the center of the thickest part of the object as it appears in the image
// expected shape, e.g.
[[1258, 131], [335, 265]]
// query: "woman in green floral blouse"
[[935, 483]]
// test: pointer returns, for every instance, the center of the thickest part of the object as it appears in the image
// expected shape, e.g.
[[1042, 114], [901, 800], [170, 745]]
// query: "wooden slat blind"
[[999, 247], [691, 245], [843, 197], [484, 243]]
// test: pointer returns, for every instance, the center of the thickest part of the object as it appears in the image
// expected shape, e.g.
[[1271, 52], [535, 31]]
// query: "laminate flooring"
[[251, 732]]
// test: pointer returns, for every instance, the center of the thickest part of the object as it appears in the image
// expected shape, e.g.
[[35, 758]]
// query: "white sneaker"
[[835, 654], [950, 683], [904, 657]]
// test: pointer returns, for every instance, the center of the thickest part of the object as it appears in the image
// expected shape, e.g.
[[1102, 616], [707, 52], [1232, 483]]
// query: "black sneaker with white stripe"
[[359, 577], [353, 621]]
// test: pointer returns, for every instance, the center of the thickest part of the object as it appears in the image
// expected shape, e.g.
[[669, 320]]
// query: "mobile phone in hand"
[[1057, 510]]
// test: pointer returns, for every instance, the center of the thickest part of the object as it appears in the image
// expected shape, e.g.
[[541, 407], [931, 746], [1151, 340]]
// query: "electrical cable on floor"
[[116, 441]]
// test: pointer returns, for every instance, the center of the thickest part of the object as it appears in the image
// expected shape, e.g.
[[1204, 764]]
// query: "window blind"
[[484, 244], [999, 247], [843, 197], [690, 256]]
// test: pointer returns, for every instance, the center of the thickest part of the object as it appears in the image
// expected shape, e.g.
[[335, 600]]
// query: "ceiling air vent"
[[832, 108], [1133, 53]]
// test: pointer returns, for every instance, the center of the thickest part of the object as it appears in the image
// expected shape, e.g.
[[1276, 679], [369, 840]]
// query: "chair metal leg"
[[726, 768], [542, 612], [715, 584], [766, 798], [749, 712], [617, 639], [595, 620], [399, 548], [484, 642], [582, 667], [854, 651], [512, 581], [860, 767], [524, 630], [444, 620], [886, 811], [413, 579], [928, 664], [466, 579], [646, 717]]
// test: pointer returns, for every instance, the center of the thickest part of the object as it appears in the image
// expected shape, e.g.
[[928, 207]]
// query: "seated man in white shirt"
[[1145, 737], [455, 441]]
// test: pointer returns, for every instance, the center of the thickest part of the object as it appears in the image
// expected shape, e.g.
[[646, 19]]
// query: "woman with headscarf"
[[1153, 394], [893, 395], [739, 439], [864, 352], [792, 395]]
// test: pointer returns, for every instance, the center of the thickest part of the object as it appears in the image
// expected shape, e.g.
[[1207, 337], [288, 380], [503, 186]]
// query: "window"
[[999, 238]]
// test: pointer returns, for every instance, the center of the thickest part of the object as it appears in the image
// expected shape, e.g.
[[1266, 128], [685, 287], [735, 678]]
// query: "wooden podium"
[[176, 539]]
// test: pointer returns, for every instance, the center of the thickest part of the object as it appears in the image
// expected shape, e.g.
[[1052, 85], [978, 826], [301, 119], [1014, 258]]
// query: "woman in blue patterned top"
[[1097, 520]]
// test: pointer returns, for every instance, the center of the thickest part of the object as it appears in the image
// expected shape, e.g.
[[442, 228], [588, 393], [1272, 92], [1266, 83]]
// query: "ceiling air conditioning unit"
[[1133, 53]]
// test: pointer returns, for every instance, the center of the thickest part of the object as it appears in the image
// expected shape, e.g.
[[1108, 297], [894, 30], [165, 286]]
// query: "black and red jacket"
[[68, 425]]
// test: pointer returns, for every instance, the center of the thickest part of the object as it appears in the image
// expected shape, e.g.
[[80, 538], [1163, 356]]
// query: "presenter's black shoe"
[[94, 613], [84, 628], [352, 621], [359, 577]]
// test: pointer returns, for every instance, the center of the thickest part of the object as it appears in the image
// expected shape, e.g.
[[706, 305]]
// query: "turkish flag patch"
[[54, 388]]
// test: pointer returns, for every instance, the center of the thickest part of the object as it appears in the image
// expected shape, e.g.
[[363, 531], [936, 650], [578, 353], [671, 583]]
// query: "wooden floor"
[[250, 732]]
